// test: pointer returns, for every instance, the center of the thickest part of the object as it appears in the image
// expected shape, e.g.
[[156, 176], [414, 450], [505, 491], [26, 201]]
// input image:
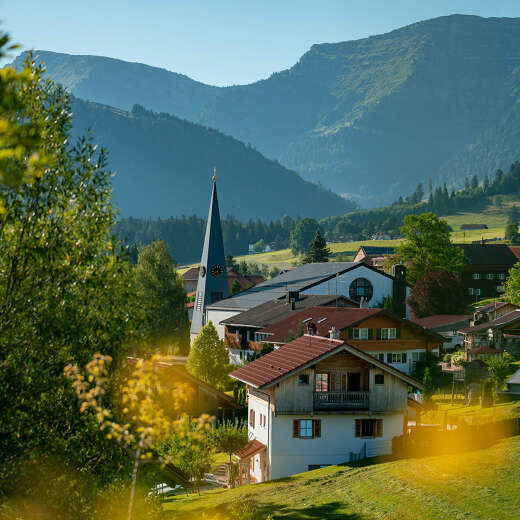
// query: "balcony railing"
[[341, 400]]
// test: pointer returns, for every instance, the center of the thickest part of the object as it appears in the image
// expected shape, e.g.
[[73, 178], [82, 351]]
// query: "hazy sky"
[[220, 42]]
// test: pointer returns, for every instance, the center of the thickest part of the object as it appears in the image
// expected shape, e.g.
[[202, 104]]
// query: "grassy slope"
[[476, 485]]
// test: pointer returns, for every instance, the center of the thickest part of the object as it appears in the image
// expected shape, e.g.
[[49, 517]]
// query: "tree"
[[318, 250], [190, 449], [68, 292], [500, 368], [162, 296], [511, 233], [259, 246], [438, 292], [229, 437], [512, 285], [208, 359], [426, 247], [303, 234], [236, 287]]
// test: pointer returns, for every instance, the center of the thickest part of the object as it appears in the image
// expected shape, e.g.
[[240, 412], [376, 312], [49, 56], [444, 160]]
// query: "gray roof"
[[276, 310], [299, 279], [515, 378]]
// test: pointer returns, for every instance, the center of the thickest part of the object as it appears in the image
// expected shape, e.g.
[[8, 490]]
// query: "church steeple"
[[213, 281]]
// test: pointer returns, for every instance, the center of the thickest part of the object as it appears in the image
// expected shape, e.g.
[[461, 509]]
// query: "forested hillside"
[[370, 118], [164, 166]]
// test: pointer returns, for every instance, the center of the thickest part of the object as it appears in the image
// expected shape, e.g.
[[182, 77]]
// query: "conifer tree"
[[208, 359], [318, 250]]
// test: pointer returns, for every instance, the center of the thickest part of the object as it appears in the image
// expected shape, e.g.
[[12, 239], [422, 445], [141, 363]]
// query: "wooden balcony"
[[341, 400]]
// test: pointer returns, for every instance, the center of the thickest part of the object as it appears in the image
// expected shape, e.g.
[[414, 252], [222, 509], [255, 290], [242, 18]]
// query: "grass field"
[[478, 485]]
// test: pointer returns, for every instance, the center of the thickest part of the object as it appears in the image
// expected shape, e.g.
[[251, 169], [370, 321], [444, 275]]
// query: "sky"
[[219, 42]]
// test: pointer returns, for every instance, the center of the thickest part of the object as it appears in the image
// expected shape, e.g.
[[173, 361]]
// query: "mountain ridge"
[[164, 165], [370, 117]]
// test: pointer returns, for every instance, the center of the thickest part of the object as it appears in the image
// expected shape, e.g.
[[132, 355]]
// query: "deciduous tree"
[[303, 234]]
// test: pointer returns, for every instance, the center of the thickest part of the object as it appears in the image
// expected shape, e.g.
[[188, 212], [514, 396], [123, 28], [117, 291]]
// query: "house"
[[492, 311], [354, 280], [502, 333], [379, 332], [487, 267], [373, 255], [482, 353], [240, 330], [205, 398], [465, 227], [318, 401], [513, 386], [448, 326]]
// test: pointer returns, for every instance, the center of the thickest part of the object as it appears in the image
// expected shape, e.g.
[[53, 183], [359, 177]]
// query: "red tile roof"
[[302, 352], [191, 274], [323, 317], [250, 449], [490, 307], [283, 361], [438, 320], [516, 251]]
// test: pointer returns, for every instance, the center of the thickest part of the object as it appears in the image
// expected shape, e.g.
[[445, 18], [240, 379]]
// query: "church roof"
[[300, 279]]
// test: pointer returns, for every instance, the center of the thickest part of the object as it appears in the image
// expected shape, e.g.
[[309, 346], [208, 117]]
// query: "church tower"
[[213, 281]]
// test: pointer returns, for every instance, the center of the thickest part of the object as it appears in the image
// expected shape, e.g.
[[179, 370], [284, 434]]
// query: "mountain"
[[369, 118], [164, 165]]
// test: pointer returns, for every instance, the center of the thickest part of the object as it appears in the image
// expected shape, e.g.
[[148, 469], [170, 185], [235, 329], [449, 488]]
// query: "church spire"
[[213, 281]]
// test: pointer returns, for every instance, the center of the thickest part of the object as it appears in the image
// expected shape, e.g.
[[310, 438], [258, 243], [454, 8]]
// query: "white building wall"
[[340, 285], [260, 432], [216, 316], [290, 455]]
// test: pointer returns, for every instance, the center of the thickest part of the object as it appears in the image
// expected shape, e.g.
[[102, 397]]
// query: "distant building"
[[380, 333], [357, 281], [240, 331], [373, 255], [448, 326], [319, 401], [487, 267], [466, 227]]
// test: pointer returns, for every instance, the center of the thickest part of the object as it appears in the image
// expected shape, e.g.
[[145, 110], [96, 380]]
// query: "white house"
[[354, 280], [318, 401]]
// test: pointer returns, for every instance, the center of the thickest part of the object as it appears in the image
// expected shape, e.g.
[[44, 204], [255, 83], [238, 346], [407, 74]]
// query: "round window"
[[361, 288]]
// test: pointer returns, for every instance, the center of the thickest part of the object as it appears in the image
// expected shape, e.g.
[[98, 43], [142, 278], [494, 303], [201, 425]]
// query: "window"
[[306, 428], [471, 291], [490, 276], [478, 292], [260, 336], [500, 288], [388, 333], [252, 418], [359, 333], [476, 276], [303, 379], [396, 357], [381, 356], [501, 276], [322, 382], [369, 427], [361, 288], [237, 336], [379, 379], [418, 356]]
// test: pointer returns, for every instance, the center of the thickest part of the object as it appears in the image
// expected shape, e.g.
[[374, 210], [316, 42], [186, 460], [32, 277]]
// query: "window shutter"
[[296, 428], [252, 418], [378, 333], [397, 333], [332, 378], [379, 427], [350, 333], [316, 423], [358, 427], [388, 357], [343, 382], [370, 333], [403, 357]]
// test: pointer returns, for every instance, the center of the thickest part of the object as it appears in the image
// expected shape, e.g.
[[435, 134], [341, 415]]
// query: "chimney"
[[293, 305], [293, 296], [399, 290], [334, 333]]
